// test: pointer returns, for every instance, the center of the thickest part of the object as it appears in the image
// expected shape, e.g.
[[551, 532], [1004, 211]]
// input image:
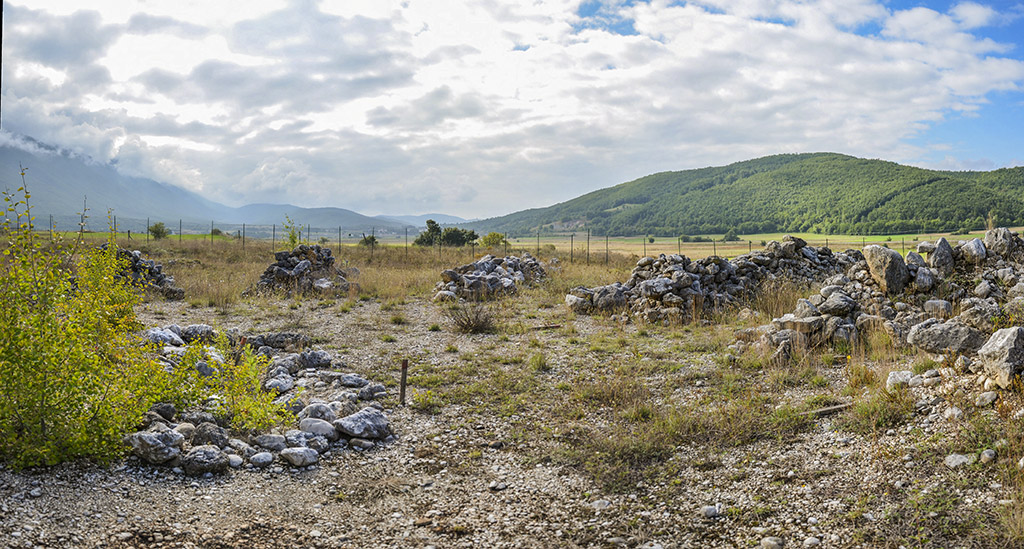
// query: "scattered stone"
[[300, 457], [986, 399], [772, 542], [368, 423], [955, 461]]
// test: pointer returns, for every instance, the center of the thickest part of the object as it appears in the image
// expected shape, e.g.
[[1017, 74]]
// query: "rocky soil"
[[489, 468]]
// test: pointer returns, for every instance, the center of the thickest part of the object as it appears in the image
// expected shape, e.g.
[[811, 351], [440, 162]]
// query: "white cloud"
[[481, 108]]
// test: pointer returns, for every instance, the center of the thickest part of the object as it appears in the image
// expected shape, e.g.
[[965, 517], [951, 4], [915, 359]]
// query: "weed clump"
[[472, 318]]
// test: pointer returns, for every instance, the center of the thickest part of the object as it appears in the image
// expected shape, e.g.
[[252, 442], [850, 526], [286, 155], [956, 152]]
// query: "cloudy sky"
[[483, 107]]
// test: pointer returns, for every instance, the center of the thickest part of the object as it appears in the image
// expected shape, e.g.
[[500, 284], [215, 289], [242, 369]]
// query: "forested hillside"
[[821, 192]]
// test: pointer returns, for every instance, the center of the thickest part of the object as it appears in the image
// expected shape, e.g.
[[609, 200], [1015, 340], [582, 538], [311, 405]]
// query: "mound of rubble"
[[675, 289], [148, 274], [487, 277], [304, 270], [914, 300], [198, 443]]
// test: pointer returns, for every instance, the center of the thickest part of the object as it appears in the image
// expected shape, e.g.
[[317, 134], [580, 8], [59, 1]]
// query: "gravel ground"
[[482, 475]]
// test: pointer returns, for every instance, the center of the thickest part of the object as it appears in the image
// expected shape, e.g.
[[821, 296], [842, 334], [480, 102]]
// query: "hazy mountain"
[[820, 192], [61, 183], [421, 220]]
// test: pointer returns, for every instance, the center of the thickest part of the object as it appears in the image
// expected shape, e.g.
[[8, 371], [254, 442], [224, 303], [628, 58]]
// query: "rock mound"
[[489, 276], [303, 270]]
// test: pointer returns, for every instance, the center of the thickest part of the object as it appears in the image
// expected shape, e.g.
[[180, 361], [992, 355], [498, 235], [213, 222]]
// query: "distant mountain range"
[[62, 184], [816, 192], [421, 220]]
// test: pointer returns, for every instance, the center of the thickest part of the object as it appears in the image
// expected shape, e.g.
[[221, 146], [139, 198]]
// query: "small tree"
[[430, 236], [493, 240], [158, 230], [291, 231], [217, 232], [730, 236], [368, 240]]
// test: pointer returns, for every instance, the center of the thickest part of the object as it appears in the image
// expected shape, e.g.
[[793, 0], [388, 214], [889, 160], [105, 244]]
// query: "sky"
[[479, 108]]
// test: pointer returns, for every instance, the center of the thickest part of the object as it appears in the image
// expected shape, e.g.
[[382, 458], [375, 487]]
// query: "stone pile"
[[672, 288], [148, 274], [913, 301], [487, 277], [304, 270], [348, 417]]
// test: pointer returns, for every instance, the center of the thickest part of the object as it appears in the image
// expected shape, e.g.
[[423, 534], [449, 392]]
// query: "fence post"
[[645, 245], [243, 237], [679, 245], [179, 231], [538, 242], [505, 240], [147, 230], [606, 248], [373, 241], [407, 243], [51, 227], [273, 236], [572, 239], [714, 247], [339, 240]]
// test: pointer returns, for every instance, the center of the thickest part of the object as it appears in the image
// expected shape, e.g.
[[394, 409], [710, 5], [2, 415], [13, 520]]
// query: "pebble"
[[954, 461], [812, 542], [988, 455], [772, 542], [709, 511], [601, 504]]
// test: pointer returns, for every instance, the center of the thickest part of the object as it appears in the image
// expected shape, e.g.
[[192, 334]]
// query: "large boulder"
[[300, 456], [973, 251], [945, 337], [369, 423], [999, 241], [838, 304], [1002, 356], [157, 445], [941, 258], [204, 459], [887, 268]]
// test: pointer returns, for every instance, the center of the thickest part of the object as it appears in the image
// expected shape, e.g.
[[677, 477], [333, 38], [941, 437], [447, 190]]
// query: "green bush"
[[159, 231], [73, 375]]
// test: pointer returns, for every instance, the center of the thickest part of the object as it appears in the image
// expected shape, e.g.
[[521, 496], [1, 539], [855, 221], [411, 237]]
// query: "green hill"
[[820, 192]]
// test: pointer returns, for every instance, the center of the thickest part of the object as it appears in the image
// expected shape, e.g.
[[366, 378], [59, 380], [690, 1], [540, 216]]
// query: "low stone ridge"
[[489, 276], [304, 270], [673, 288], [148, 274], [913, 302], [348, 418]]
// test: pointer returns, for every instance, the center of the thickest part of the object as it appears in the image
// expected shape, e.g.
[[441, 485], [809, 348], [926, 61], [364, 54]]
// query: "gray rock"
[[320, 427], [300, 457], [367, 423], [986, 399], [315, 359], [235, 461], [887, 268], [924, 280], [838, 304], [772, 542], [361, 443], [197, 332], [156, 446], [813, 541], [165, 409], [973, 251], [1002, 356], [914, 258], [204, 459], [271, 442], [941, 259], [164, 337], [445, 295], [318, 410], [988, 455], [281, 384], [612, 298], [978, 313], [209, 433], [938, 308], [373, 391], [805, 309], [946, 337], [241, 447], [353, 380], [955, 461], [709, 511], [807, 325], [999, 241], [262, 459], [578, 304], [898, 378]]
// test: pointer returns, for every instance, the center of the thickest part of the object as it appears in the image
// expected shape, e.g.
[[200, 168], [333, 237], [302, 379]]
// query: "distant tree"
[[493, 240], [453, 236], [158, 230], [429, 237], [730, 236], [217, 232], [368, 240]]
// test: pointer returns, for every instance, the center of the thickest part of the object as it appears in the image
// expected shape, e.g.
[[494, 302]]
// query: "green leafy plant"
[[73, 375], [292, 232], [159, 231]]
